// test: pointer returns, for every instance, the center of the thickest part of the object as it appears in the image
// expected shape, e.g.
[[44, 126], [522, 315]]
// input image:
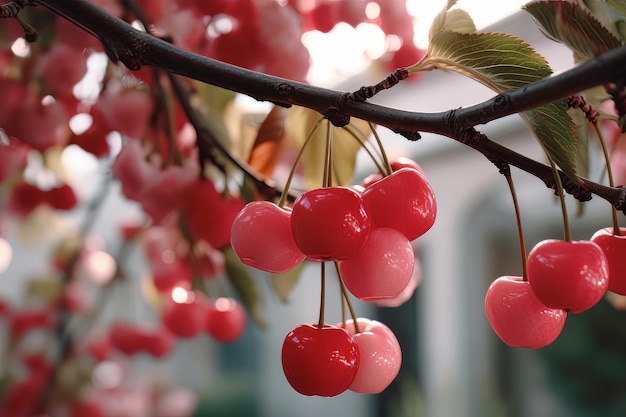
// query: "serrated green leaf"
[[500, 61], [456, 20], [283, 284], [504, 62], [608, 16], [618, 5], [246, 287], [574, 26], [554, 129]]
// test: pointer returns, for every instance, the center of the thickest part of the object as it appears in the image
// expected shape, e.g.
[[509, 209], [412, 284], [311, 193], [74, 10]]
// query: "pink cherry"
[[381, 356], [518, 317]]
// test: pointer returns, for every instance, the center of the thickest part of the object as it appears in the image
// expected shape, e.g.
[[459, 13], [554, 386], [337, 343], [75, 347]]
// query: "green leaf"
[[456, 20], [608, 16], [554, 129], [500, 61], [504, 62], [246, 287], [283, 284], [618, 5], [574, 26]]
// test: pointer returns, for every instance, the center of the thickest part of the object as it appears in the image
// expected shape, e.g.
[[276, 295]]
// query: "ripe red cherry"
[[183, 314], [614, 248], [518, 317], [403, 201], [226, 320], [320, 361], [572, 276], [330, 223], [381, 356], [261, 237], [382, 269]]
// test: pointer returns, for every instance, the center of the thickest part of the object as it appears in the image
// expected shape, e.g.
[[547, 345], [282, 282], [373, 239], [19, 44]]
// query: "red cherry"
[[158, 343], [382, 268], [330, 223], [518, 317], [226, 320], [261, 237], [572, 276], [407, 292], [614, 248], [126, 338], [403, 201], [320, 361], [184, 313], [209, 214], [86, 408], [381, 356]]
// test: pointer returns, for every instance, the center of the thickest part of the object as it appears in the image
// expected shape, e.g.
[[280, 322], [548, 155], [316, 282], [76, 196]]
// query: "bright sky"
[[345, 50]]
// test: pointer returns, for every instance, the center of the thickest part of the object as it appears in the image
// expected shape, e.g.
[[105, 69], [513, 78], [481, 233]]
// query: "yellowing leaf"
[[299, 124], [455, 20], [267, 148], [246, 287], [283, 284]]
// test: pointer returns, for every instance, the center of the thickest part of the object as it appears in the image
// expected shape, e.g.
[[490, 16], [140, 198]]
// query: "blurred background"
[[453, 364]]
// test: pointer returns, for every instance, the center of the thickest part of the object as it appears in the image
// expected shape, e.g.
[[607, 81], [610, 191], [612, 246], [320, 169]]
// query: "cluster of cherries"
[[367, 231], [562, 277]]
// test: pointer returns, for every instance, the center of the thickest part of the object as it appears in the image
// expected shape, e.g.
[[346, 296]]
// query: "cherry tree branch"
[[135, 48]]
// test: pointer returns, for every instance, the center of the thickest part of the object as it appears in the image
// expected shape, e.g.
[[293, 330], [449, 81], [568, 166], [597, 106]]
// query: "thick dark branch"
[[135, 48]]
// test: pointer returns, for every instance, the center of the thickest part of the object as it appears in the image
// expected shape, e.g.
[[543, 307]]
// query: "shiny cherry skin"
[[614, 248], [382, 269], [330, 224], [381, 355], [403, 201], [569, 275], [518, 317], [226, 319], [261, 237], [320, 361]]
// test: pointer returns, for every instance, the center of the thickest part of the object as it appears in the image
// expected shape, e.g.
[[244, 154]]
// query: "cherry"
[[158, 343], [330, 223], [184, 313], [518, 317], [382, 268], [407, 292], [261, 237], [209, 214], [226, 320], [403, 201], [125, 337], [614, 248], [570, 275], [381, 355], [320, 361]]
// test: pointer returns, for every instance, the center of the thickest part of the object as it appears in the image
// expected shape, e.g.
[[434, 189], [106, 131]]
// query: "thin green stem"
[[345, 296], [292, 172], [518, 218], [320, 322], [561, 194], [364, 146], [382, 150], [328, 157], [609, 171]]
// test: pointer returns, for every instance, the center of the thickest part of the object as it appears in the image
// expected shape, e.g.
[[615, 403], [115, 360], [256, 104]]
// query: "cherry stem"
[[292, 172], [346, 297], [561, 194], [518, 218], [609, 171], [328, 157], [320, 322], [382, 150], [365, 148]]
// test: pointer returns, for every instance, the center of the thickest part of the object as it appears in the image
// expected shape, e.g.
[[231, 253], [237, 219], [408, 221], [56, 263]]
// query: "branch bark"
[[135, 48]]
